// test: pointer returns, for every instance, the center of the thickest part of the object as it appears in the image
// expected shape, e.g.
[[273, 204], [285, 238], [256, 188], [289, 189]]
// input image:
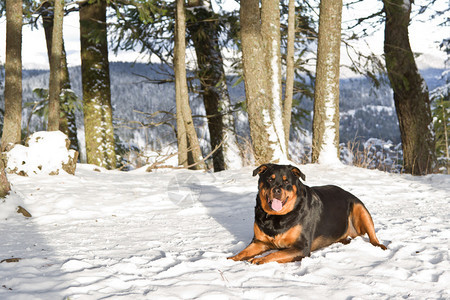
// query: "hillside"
[[366, 112]]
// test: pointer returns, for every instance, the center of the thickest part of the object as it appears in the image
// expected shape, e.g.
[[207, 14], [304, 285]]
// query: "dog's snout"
[[277, 191]]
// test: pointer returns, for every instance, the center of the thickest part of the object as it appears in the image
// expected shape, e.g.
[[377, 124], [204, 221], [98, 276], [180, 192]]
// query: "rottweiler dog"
[[296, 219]]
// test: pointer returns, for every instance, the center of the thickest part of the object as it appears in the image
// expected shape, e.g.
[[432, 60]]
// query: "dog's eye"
[[286, 182], [270, 179]]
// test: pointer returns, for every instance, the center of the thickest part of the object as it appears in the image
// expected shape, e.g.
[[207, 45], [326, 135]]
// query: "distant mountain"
[[366, 112]]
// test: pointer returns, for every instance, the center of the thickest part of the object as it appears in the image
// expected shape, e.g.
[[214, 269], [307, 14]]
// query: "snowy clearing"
[[167, 234]]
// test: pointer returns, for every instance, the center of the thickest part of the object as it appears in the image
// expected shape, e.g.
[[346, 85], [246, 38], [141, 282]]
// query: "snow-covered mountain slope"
[[132, 94]]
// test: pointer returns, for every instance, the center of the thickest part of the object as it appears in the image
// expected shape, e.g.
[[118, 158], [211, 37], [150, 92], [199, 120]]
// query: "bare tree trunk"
[[446, 143], [266, 127], [411, 98], [54, 89], [98, 127], [13, 74], [255, 84], [67, 121], [289, 90], [270, 28], [326, 95], [204, 34], [181, 90], [181, 136], [5, 187]]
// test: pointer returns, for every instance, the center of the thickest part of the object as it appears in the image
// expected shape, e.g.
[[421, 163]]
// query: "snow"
[[45, 154], [406, 5], [166, 235], [276, 140], [376, 108], [167, 157], [232, 156], [329, 152]]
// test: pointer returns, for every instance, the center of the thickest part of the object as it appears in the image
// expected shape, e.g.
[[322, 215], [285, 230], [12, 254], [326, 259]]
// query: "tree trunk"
[[264, 114], [181, 137], [326, 94], [270, 29], [411, 98], [204, 34], [67, 121], [54, 89], [13, 75], [98, 125], [181, 89], [289, 90], [5, 187], [254, 70]]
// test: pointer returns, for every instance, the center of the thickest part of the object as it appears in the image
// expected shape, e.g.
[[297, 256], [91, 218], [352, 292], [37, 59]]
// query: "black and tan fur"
[[310, 218]]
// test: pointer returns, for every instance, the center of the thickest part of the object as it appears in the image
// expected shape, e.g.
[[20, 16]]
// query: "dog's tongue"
[[277, 205]]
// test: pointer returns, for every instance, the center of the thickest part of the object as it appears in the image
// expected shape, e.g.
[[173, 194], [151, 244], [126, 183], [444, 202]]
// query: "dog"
[[296, 219]]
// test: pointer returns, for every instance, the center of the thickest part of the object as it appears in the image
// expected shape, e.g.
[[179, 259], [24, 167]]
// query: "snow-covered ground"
[[166, 235]]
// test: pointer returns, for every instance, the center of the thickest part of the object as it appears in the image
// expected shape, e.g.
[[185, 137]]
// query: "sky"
[[425, 37]]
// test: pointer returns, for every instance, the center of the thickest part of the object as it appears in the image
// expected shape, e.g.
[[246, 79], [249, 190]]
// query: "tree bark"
[[325, 146], [254, 70], [54, 89], [270, 29], [99, 131], [289, 89], [67, 121], [13, 74], [264, 113], [5, 187], [181, 89], [182, 141], [411, 98], [204, 34]]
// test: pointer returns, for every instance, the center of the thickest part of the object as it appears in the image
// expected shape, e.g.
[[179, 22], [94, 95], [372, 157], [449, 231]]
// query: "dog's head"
[[278, 186]]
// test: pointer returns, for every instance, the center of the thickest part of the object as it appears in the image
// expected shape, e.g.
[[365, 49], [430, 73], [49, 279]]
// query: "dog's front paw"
[[258, 260], [235, 257]]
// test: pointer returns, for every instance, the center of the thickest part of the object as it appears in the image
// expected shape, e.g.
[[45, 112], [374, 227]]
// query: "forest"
[[277, 98], [132, 179], [365, 113]]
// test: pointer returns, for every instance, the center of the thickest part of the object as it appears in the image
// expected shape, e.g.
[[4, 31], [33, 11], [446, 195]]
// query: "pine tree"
[[271, 34], [262, 75], [13, 74], [5, 187], [67, 121], [98, 127], [204, 32], [290, 73], [411, 98], [441, 125], [54, 89], [186, 135], [325, 144]]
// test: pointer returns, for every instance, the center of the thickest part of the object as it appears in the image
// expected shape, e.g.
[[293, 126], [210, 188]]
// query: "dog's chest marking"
[[282, 240]]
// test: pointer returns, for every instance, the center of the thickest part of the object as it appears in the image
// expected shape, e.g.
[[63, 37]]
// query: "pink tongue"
[[277, 205]]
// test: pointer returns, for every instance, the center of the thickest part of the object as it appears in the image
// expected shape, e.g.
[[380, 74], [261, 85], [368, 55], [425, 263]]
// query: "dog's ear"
[[298, 173], [260, 169]]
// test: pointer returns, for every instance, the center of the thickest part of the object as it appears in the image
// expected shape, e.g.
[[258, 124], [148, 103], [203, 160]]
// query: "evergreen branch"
[[157, 81], [361, 20]]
